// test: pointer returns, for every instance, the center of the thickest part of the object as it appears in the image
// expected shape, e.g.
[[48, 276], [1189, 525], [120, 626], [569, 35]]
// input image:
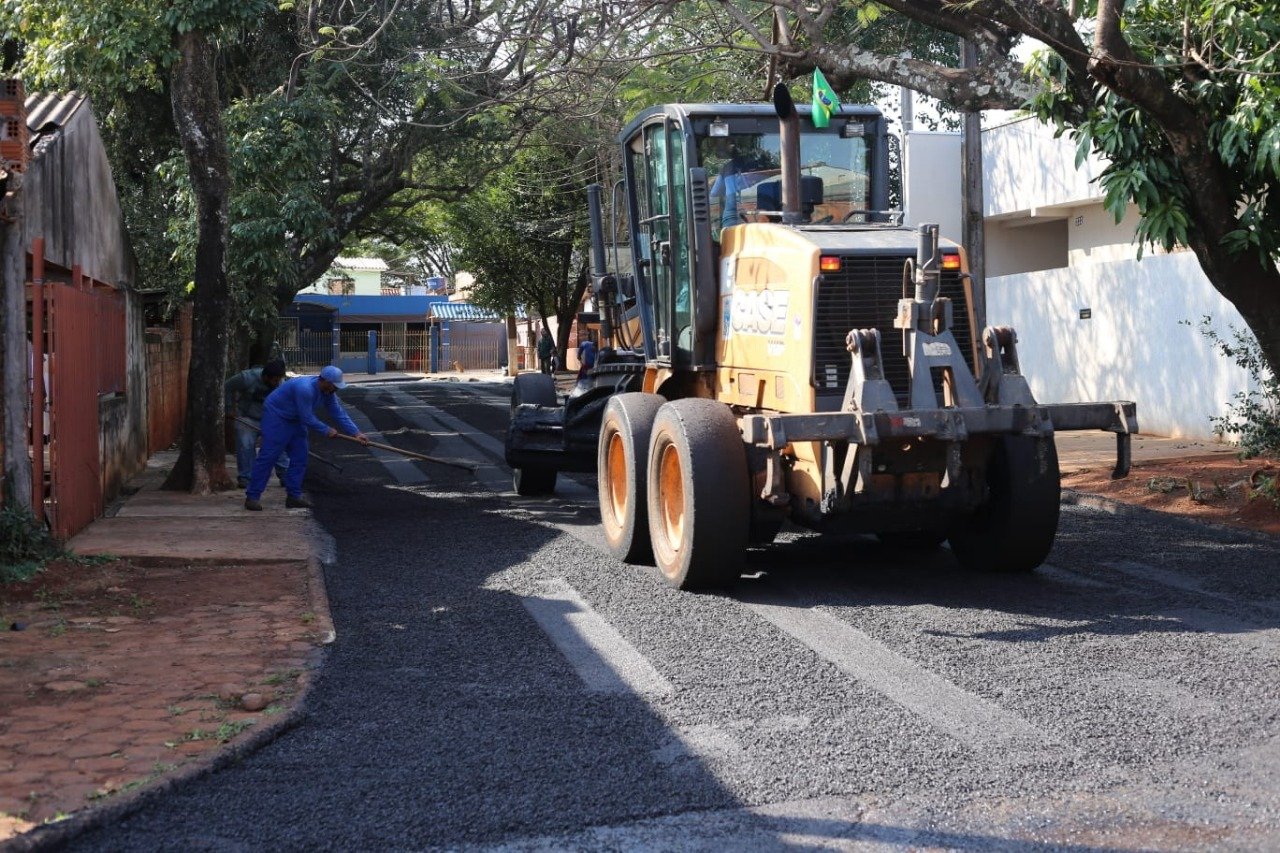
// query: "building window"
[[342, 286]]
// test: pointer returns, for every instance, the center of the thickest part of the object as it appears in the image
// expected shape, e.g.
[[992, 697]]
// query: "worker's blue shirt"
[[295, 401]]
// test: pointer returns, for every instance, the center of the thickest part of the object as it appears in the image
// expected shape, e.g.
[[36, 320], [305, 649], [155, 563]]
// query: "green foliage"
[[124, 44], [25, 545], [1254, 414], [518, 233], [1219, 57], [1266, 488]]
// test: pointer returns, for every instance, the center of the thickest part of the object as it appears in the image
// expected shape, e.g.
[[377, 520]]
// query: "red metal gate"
[[85, 346]]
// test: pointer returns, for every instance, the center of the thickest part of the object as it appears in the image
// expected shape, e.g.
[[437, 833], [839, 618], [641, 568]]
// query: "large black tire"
[[533, 482], [699, 498], [1014, 531], [540, 390], [622, 461], [537, 389]]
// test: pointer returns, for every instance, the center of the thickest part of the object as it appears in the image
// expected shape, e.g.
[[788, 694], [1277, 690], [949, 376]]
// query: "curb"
[[1071, 497], [56, 836], [319, 595]]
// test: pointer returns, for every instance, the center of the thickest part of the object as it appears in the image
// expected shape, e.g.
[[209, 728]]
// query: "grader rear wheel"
[[699, 509], [1014, 531], [622, 463]]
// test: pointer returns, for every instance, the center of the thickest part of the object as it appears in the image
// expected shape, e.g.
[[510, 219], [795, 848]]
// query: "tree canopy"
[[1180, 99]]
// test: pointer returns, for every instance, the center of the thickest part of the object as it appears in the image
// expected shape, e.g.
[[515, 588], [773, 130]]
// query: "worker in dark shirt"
[[245, 394], [286, 416]]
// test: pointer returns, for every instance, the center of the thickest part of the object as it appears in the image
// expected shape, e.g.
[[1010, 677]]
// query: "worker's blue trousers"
[[279, 436], [247, 451]]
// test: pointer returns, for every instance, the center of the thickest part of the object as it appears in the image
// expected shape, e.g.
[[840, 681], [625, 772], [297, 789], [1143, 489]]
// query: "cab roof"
[[760, 110]]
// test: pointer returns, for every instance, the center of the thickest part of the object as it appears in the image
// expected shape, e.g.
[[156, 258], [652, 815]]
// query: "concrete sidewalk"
[[151, 525]]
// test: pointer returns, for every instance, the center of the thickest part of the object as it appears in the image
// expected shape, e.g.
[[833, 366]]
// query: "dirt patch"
[[114, 675], [1218, 488]]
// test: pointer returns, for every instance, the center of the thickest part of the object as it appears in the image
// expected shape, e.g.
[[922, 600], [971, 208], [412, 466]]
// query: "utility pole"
[[971, 193], [513, 350]]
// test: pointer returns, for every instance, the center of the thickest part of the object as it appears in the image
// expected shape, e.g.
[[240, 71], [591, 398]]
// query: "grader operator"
[[782, 347]]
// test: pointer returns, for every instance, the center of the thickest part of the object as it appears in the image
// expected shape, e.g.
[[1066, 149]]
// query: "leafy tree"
[[522, 235], [132, 44], [1180, 98]]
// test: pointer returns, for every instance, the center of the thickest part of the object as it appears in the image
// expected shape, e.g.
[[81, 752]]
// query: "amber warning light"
[[829, 263], [951, 262]]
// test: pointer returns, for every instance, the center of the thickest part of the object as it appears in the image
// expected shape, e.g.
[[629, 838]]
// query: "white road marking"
[[1178, 581], [493, 476], [966, 717], [601, 657], [402, 469], [1221, 625], [1068, 576]]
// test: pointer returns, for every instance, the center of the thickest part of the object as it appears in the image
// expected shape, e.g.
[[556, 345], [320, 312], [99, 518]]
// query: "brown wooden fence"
[[168, 357]]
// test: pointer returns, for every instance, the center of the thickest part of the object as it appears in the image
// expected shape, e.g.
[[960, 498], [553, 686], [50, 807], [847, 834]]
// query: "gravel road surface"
[[500, 682]]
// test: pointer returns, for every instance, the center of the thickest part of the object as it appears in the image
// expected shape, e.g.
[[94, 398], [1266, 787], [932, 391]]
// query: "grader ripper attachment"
[[783, 348]]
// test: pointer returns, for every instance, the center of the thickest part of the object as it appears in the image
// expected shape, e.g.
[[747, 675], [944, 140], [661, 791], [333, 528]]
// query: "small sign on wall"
[[1086, 313]]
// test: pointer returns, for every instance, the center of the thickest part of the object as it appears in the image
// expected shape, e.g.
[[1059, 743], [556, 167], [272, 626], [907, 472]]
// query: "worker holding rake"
[[288, 413]]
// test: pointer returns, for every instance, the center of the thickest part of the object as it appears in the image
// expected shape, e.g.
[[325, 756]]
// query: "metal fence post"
[[371, 360]]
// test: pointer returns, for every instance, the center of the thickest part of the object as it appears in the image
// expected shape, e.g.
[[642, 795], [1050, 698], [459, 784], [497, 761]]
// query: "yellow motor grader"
[[783, 348]]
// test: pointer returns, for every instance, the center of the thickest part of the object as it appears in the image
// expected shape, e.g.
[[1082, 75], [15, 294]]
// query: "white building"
[[1093, 322], [352, 277]]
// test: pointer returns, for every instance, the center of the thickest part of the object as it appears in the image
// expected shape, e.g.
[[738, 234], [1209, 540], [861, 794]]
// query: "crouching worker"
[[288, 413]]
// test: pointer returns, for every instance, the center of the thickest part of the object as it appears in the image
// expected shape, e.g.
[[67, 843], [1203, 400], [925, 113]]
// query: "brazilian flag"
[[825, 101]]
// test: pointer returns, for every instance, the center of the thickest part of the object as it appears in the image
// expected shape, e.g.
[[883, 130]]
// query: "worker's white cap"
[[332, 374]]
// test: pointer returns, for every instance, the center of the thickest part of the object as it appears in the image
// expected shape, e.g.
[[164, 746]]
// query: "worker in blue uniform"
[[287, 414]]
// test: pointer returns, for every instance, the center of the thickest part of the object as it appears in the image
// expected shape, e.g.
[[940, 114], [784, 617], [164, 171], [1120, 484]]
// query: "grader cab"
[[783, 348]]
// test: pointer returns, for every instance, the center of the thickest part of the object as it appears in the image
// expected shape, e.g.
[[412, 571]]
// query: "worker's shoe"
[[297, 503], [250, 503]]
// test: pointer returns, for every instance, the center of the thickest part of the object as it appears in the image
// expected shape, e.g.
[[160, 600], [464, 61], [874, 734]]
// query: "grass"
[[25, 545], [278, 678], [231, 728]]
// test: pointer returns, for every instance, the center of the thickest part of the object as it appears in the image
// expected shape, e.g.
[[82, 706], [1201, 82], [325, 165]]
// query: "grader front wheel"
[[540, 390], [1014, 531], [699, 503], [622, 462]]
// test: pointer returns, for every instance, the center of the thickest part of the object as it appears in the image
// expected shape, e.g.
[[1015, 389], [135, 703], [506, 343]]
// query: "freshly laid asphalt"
[[498, 680]]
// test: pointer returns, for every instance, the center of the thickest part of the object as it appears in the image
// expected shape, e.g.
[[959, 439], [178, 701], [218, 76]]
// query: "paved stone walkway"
[[202, 633]]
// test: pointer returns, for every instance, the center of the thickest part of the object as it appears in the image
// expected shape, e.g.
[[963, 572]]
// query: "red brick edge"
[[55, 836]]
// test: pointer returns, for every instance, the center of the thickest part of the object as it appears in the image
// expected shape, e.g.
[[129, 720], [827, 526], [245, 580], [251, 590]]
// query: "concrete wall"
[[123, 417], [931, 186], [1015, 247], [1135, 347], [1025, 169]]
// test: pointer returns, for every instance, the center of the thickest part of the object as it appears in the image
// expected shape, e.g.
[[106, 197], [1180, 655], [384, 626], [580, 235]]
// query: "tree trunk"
[[197, 113], [13, 256]]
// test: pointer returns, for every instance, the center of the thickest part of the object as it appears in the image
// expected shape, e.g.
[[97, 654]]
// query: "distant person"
[[546, 352], [245, 394], [586, 356], [288, 413]]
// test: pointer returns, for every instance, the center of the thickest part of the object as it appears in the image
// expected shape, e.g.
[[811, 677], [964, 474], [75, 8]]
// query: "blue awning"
[[466, 312]]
